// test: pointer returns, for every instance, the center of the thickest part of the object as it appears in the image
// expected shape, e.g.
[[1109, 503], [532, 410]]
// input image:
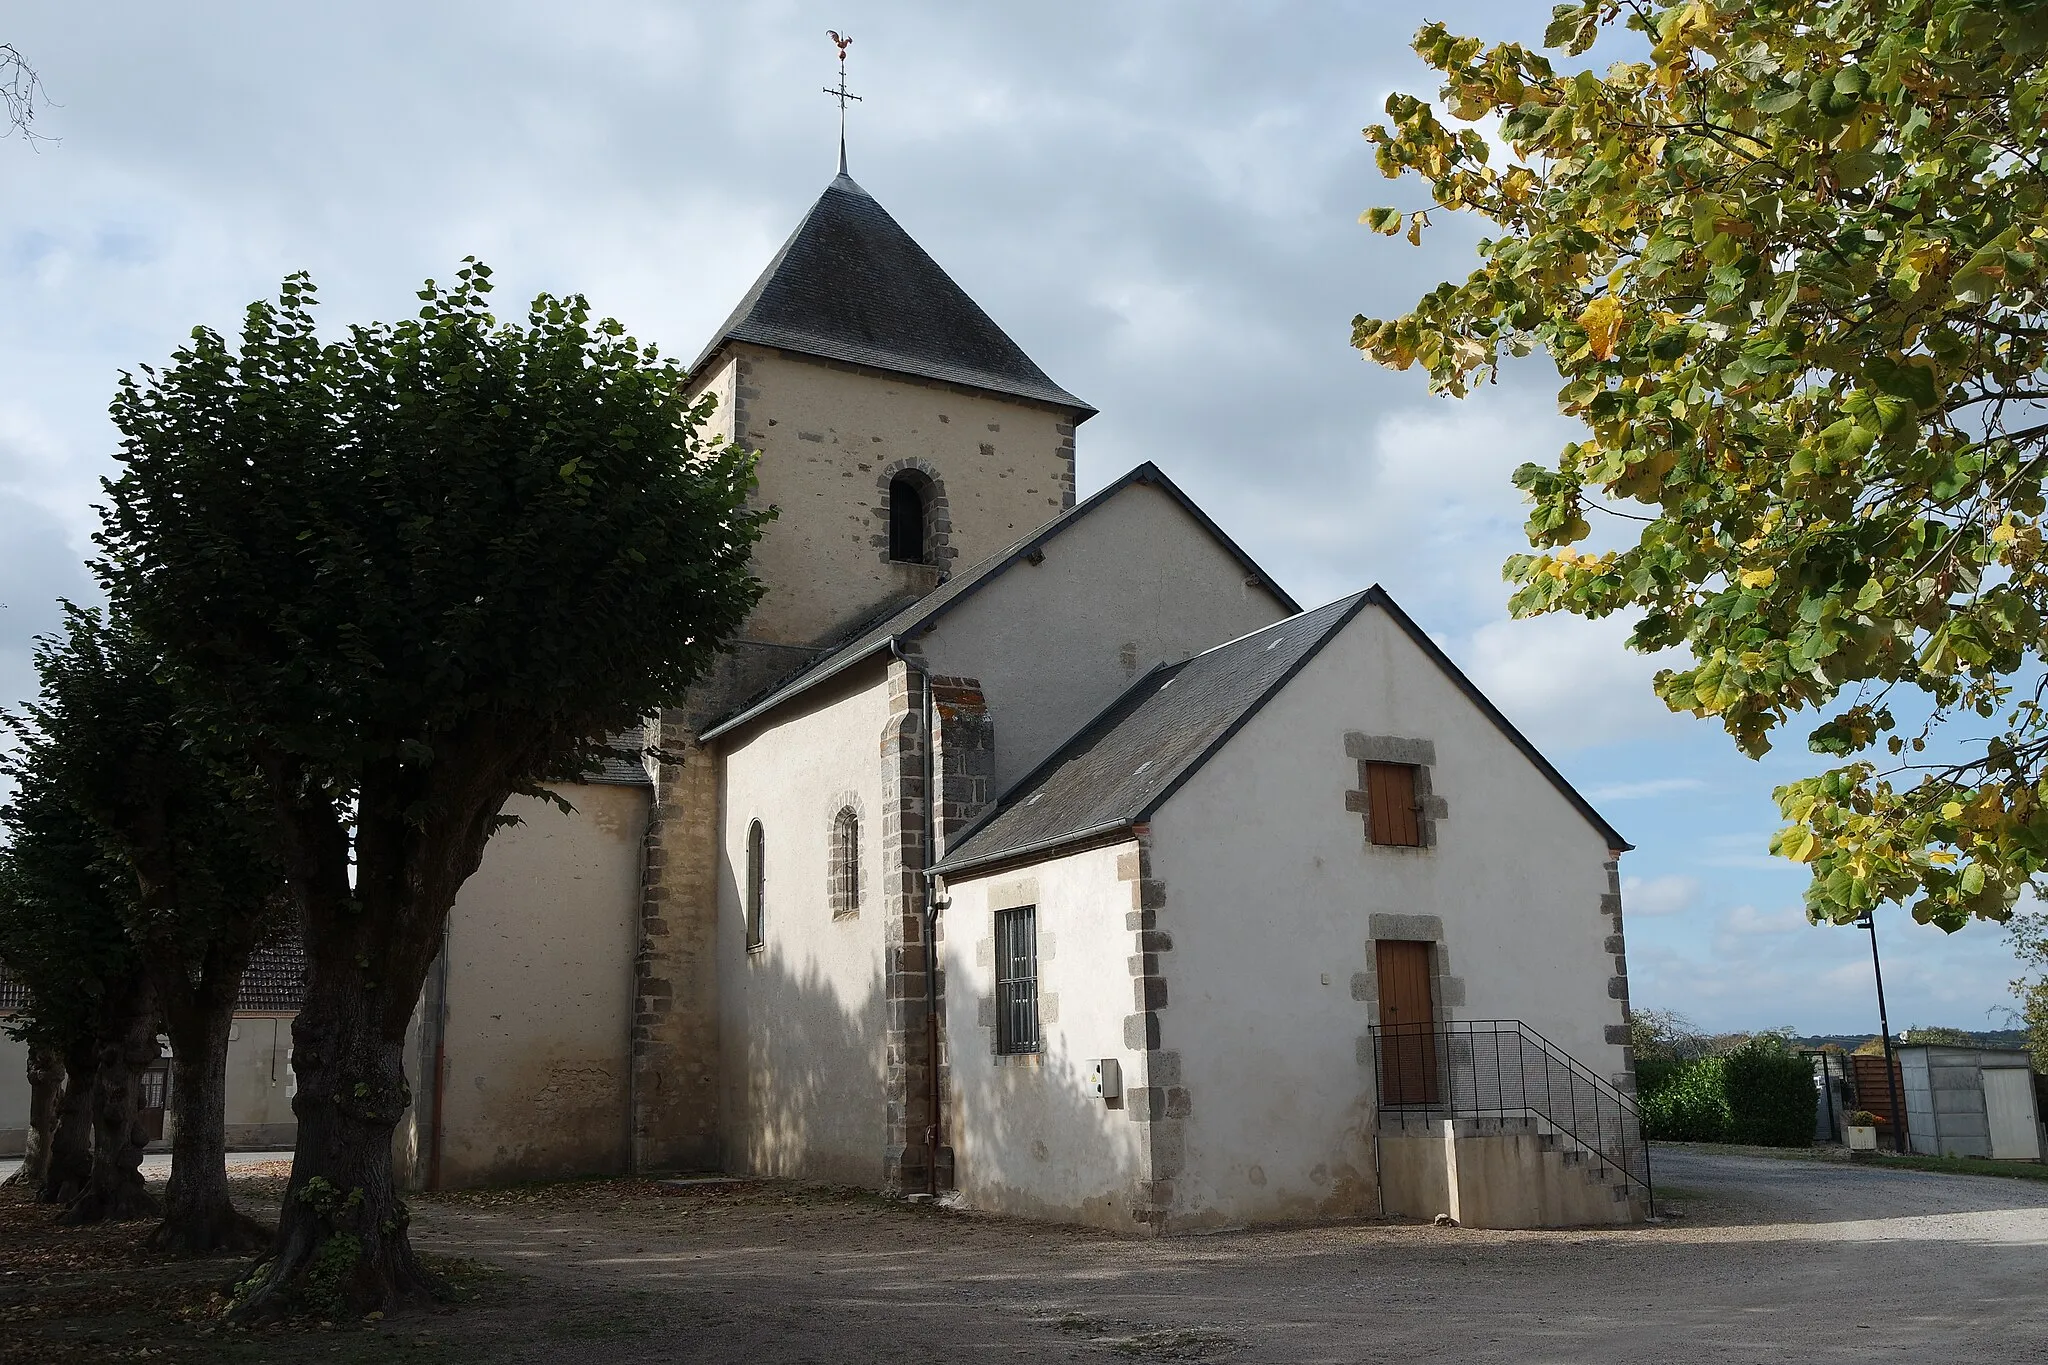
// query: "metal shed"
[[1970, 1101]]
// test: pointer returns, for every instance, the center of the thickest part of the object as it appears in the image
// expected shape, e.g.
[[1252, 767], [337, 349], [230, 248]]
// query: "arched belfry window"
[[844, 873], [757, 878], [907, 521]]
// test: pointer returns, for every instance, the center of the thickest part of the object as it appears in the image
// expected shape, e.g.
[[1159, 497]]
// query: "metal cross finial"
[[842, 94]]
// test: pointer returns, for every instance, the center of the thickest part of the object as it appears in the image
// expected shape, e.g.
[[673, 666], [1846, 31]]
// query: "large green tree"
[[415, 571], [1788, 263], [189, 824]]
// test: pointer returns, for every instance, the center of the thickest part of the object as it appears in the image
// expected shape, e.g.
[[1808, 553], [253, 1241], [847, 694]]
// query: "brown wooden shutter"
[[1390, 801]]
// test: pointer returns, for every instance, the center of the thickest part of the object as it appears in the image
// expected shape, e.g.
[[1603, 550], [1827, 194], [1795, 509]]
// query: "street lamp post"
[[1891, 1075]]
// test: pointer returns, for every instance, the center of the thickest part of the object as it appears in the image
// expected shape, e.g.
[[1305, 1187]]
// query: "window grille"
[[757, 877], [1017, 980], [906, 521], [843, 885], [1390, 804]]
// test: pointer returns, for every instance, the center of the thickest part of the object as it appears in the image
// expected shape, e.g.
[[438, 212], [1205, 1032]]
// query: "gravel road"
[[1769, 1260]]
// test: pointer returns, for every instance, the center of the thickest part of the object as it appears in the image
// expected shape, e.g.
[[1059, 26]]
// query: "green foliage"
[[447, 540], [1771, 1096], [64, 912], [1690, 1104], [2029, 937], [1654, 1073], [1760, 1093], [1951, 1037], [1662, 1036], [189, 824], [1790, 270]]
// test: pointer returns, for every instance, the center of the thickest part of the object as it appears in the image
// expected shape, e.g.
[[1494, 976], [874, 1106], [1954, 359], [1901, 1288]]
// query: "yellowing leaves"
[[1795, 842], [1759, 578], [1601, 322]]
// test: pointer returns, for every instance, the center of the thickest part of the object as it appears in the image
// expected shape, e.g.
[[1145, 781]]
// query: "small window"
[[757, 878], [1390, 803], [1017, 980], [906, 521], [843, 875]]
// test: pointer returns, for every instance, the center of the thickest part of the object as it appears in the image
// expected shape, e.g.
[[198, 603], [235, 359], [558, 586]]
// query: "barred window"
[[843, 875], [1017, 980], [757, 877]]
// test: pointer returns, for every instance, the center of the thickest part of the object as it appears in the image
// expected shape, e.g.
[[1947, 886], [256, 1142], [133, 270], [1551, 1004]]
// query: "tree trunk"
[[115, 1192], [45, 1087], [341, 1239], [199, 1217], [341, 1242], [70, 1158]]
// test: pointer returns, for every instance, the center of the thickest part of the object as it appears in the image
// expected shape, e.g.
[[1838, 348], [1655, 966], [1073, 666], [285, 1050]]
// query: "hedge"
[[1771, 1095], [1760, 1094]]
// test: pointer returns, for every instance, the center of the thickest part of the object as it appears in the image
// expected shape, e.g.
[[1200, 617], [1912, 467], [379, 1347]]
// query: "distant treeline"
[[1849, 1042]]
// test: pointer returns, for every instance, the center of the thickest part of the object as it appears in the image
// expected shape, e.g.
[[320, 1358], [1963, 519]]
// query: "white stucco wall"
[[827, 433], [541, 943], [801, 1020], [1270, 890], [13, 1095], [259, 1082], [1027, 1136], [1135, 582]]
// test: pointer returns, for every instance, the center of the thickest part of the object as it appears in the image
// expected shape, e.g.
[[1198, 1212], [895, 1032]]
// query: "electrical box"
[[1106, 1081]]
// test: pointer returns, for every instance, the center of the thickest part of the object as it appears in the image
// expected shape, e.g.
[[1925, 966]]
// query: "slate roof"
[[274, 983], [1123, 766], [851, 285], [906, 622], [622, 772]]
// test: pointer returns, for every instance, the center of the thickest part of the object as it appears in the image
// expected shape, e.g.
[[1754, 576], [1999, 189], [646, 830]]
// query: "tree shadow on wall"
[[806, 1062]]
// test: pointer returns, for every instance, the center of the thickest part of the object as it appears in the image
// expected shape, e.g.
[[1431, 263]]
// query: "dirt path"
[[1771, 1261]]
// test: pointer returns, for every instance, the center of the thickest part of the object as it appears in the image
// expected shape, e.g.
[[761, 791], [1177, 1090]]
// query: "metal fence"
[[1499, 1068]]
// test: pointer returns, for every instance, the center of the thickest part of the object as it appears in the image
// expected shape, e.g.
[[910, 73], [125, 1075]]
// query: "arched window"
[[843, 885], [757, 878], [906, 520]]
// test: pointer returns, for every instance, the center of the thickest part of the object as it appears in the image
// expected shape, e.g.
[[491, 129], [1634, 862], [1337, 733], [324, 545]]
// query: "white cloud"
[[1645, 790], [1667, 895], [1747, 921], [1569, 682]]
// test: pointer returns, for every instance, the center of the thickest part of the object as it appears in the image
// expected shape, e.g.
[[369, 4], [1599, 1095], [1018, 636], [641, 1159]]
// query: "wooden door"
[[1407, 1024]]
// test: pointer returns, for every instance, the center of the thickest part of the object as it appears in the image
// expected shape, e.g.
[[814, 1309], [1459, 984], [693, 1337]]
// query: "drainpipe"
[[930, 920]]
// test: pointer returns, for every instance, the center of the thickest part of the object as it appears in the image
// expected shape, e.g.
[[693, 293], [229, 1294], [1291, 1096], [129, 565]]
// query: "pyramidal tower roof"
[[851, 285]]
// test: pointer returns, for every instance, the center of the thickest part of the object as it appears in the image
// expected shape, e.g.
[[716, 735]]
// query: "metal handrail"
[[1495, 1067]]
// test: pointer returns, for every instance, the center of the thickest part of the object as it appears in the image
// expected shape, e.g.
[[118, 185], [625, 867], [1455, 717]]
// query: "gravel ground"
[[1769, 1260], [1764, 1260], [157, 1165]]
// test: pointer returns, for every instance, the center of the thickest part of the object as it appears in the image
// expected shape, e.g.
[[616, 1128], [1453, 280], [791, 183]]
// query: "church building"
[[1038, 854]]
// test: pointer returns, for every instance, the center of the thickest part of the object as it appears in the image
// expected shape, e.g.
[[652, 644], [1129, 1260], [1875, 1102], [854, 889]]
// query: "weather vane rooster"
[[842, 94]]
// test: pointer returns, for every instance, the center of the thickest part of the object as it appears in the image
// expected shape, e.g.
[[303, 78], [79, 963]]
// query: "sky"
[[1159, 201]]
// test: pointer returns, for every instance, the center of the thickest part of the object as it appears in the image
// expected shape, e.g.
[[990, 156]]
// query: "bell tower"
[[902, 434]]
